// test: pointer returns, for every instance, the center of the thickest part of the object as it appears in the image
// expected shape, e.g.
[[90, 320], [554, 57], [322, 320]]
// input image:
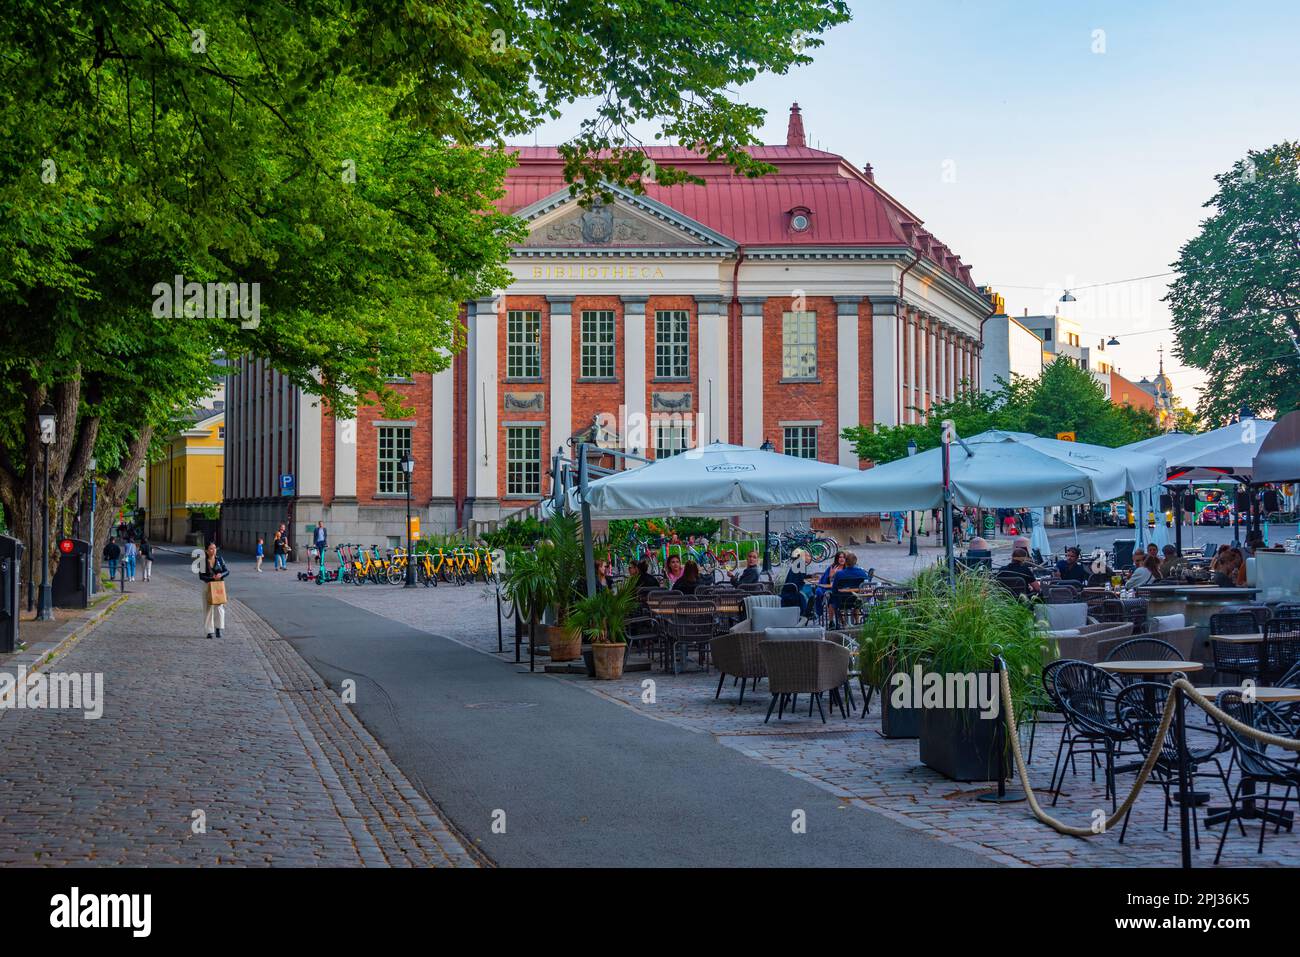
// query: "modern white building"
[[1060, 336], [1009, 350]]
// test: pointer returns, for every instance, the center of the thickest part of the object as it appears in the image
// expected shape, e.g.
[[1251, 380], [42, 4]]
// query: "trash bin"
[[1124, 552], [69, 585], [11, 560]]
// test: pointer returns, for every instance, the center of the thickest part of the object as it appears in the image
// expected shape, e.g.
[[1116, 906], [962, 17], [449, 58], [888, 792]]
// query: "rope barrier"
[[1166, 719]]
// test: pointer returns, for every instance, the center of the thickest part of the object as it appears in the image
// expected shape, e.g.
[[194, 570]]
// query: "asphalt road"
[[1193, 536], [581, 781]]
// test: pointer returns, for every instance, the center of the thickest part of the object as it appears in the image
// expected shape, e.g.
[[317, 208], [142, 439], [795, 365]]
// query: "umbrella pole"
[[1074, 525], [588, 555], [767, 554], [947, 507], [1178, 520]]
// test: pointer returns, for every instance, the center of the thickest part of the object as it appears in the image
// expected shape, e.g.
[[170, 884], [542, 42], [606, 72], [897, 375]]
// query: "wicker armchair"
[[804, 667], [1083, 646], [737, 654], [751, 602]]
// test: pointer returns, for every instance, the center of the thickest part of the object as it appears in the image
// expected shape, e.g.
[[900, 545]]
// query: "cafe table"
[[1266, 695], [1252, 639], [1150, 668]]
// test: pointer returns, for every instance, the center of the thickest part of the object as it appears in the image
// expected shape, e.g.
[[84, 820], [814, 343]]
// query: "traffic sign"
[[1066, 436], [286, 484]]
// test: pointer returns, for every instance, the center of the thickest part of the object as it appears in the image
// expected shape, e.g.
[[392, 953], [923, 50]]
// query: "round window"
[[799, 222]]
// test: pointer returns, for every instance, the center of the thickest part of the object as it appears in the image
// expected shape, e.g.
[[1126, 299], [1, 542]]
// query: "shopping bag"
[[216, 593]]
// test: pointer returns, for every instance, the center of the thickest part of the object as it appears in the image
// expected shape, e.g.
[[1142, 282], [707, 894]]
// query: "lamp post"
[[911, 548], [90, 562], [407, 462], [48, 423], [767, 446]]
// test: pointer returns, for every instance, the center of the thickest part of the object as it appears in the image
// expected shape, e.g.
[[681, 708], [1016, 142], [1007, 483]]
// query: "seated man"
[[749, 575], [1019, 565], [1173, 564], [850, 576], [1069, 569]]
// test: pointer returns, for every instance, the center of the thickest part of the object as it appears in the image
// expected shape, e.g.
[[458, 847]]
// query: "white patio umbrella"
[[717, 479], [1003, 470], [1038, 535], [1226, 454]]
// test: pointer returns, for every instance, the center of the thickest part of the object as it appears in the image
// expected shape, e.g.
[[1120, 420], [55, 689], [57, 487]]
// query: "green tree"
[[1064, 398], [345, 158], [1236, 300]]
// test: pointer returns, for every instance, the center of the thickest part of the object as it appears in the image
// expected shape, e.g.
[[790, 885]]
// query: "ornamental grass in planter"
[[878, 659], [557, 557], [943, 641], [602, 617]]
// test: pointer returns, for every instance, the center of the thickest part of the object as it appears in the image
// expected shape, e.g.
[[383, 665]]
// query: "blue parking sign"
[[286, 484]]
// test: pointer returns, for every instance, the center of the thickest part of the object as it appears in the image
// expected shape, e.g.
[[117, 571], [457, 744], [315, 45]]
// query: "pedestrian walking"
[[260, 553], [319, 537], [280, 546], [146, 556], [213, 577], [899, 523], [112, 552], [129, 553]]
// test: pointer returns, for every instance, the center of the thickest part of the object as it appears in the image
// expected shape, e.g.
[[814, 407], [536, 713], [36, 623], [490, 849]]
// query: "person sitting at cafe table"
[[672, 570], [1070, 569], [792, 589], [1173, 564], [1153, 551], [850, 576], [1147, 571], [1230, 569], [749, 574], [1019, 565], [824, 583], [689, 580]]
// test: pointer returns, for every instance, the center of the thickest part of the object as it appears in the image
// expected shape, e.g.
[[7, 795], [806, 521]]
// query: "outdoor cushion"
[[1073, 615], [1166, 623], [764, 618], [794, 634], [1065, 633]]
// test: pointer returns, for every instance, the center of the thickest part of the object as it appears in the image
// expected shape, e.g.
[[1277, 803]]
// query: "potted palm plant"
[[559, 552], [602, 618], [530, 588]]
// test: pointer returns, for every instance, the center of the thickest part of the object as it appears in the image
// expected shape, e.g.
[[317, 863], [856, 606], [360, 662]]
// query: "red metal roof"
[[847, 208]]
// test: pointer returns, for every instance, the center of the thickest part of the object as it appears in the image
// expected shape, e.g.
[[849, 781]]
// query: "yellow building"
[[190, 474]]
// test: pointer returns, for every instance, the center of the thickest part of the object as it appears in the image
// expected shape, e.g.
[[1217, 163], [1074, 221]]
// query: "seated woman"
[[689, 579], [1230, 570], [672, 570], [792, 589], [850, 576], [1147, 571], [824, 583], [602, 574]]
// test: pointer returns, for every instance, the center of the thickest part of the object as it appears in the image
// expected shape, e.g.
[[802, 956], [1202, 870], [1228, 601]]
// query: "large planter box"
[[898, 722], [960, 744]]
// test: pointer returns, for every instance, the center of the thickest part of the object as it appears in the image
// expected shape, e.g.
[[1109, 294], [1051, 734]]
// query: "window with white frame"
[[523, 460], [523, 344], [394, 442], [799, 345], [672, 344], [597, 344], [800, 441], [672, 435]]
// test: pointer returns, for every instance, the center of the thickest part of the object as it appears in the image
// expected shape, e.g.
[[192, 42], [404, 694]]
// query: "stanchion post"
[[1003, 796], [500, 631], [1184, 791]]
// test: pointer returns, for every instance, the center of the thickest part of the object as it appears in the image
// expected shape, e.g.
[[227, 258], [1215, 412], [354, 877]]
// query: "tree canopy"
[[1236, 300], [1064, 398], [343, 159]]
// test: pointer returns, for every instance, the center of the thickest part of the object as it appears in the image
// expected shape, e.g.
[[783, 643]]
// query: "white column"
[[712, 378], [560, 400], [932, 354], [927, 361], [636, 427], [943, 364], [846, 345], [885, 366], [751, 371], [913, 367], [345, 457], [309, 445], [442, 453], [482, 387]]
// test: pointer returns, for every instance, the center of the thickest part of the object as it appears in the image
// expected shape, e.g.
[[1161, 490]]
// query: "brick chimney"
[[794, 132]]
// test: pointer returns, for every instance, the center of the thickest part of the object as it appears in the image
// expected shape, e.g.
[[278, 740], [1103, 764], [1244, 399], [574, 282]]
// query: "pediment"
[[628, 222]]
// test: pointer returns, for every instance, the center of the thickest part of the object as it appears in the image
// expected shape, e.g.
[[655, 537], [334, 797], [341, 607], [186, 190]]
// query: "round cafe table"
[[1262, 694], [1147, 669]]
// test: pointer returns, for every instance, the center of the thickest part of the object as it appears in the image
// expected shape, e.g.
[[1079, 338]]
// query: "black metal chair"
[[1014, 583], [1062, 592], [692, 624], [1086, 695], [1281, 649], [1235, 657], [1140, 708], [1256, 767], [1144, 649]]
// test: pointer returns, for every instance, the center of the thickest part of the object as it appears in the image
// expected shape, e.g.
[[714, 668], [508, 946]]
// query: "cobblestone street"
[[851, 760], [236, 735]]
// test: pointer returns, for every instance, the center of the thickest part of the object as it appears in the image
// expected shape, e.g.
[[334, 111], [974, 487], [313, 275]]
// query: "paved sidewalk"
[[207, 753]]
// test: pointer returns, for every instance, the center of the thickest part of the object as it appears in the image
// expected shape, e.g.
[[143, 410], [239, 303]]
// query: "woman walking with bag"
[[213, 577], [146, 556], [281, 549]]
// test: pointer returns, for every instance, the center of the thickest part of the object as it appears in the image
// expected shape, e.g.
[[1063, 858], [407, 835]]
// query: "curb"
[[36, 657]]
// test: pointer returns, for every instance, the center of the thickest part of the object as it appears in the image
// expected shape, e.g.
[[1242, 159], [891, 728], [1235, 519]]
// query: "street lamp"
[[90, 563], [408, 466], [911, 548], [1067, 297], [48, 423]]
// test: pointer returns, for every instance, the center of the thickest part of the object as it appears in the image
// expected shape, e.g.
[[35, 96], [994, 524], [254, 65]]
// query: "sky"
[[1051, 144]]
